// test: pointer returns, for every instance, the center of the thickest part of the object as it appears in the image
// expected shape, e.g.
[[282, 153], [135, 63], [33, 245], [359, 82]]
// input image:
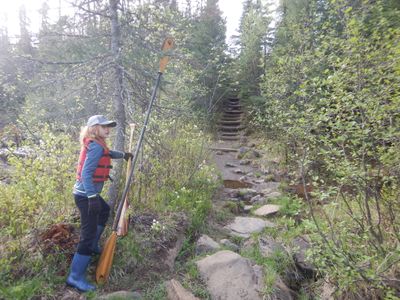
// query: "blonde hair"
[[91, 132]]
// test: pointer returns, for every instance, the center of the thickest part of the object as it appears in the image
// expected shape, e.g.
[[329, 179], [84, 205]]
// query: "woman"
[[93, 170]]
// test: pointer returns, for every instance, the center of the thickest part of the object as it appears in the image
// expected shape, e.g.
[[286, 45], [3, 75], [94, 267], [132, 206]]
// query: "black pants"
[[89, 223]]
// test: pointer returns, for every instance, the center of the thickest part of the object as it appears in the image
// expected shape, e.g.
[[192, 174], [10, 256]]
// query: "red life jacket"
[[102, 172]]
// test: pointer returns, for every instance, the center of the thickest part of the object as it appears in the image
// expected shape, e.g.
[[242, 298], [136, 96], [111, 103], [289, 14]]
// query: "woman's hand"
[[128, 156]]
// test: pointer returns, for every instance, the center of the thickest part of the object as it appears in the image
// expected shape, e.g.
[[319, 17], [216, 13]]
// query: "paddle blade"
[[166, 47], [106, 259], [123, 222]]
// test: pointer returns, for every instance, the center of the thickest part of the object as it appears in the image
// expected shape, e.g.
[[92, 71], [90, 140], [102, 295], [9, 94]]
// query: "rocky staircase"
[[230, 126]]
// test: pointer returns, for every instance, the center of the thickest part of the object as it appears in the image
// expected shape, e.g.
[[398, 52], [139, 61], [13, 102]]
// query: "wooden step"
[[233, 112], [223, 149], [230, 128], [228, 133], [229, 138], [231, 118], [229, 122]]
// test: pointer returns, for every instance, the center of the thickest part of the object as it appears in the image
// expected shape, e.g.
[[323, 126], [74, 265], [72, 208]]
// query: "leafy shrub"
[[331, 99], [173, 174], [39, 194]]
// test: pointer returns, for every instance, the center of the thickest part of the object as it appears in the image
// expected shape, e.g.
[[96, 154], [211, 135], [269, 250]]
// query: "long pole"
[[136, 154], [106, 258]]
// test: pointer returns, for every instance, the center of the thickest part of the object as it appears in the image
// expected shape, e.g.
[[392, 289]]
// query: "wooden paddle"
[[123, 223], [106, 258]]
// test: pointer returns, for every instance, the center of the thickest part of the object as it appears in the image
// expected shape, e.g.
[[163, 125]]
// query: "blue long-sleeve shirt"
[[85, 186]]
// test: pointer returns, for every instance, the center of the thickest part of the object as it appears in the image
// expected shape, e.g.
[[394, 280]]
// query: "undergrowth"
[[172, 178]]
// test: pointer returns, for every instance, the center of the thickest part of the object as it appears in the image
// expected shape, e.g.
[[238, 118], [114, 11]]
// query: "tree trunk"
[[118, 96]]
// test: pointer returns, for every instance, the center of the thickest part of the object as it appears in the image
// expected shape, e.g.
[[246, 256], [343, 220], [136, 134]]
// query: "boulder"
[[267, 210], [206, 244], [176, 291], [245, 226], [229, 276]]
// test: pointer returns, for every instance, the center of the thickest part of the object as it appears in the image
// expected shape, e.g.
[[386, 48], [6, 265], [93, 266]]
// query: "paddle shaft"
[[136, 154]]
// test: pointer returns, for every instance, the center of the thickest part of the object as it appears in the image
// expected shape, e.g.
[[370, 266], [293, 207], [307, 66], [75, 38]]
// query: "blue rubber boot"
[[99, 232], [77, 276]]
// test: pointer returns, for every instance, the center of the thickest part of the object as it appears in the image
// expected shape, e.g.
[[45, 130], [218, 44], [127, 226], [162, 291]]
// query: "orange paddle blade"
[[106, 259], [167, 46]]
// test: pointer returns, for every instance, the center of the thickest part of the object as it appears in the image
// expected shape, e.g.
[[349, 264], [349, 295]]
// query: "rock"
[[173, 252], [247, 208], [206, 244], [281, 291], [245, 162], [229, 276], [4, 153], [256, 199], [300, 246], [121, 295], [243, 150], [268, 246], [266, 210], [229, 244], [230, 165], [238, 171], [245, 226], [176, 291], [247, 194], [258, 181], [231, 193]]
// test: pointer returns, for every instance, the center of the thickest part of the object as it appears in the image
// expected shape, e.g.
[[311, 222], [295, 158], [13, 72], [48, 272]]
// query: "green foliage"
[[192, 281], [38, 195], [330, 96], [249, 64], [158, 292], [179, 178], [290, 206], [23, 290], [274, 265], [39, 192]]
